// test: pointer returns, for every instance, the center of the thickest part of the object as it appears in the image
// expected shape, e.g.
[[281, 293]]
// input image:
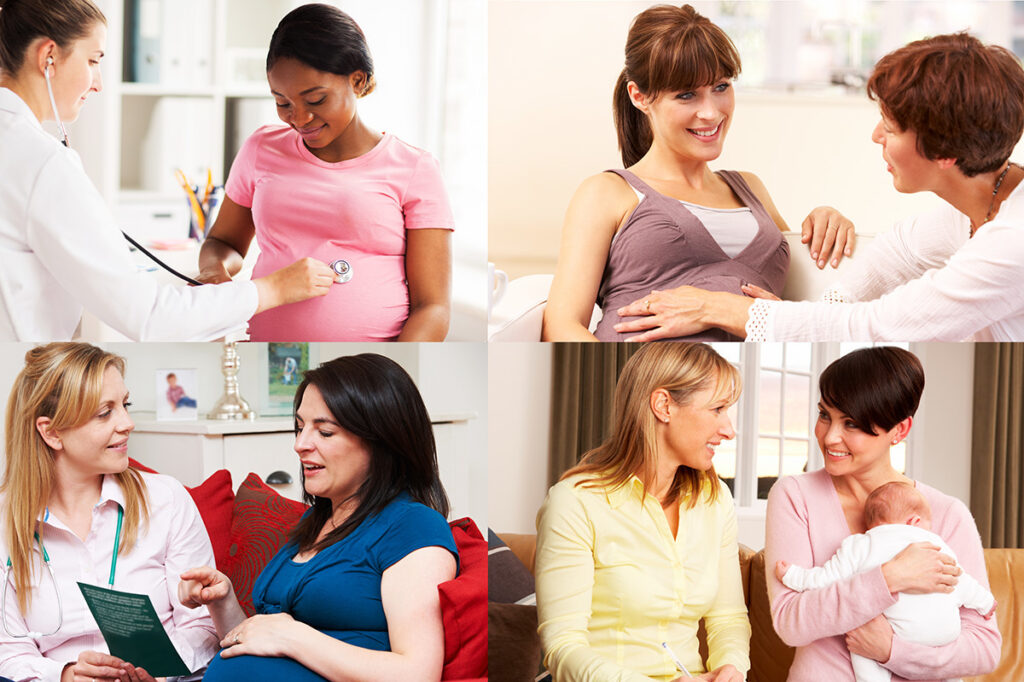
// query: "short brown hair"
[[876, 388], [964, 100], [894, 502], [668, 49]]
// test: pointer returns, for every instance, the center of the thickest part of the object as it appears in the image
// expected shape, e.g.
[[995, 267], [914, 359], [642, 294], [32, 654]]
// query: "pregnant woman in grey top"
[[667, 219]]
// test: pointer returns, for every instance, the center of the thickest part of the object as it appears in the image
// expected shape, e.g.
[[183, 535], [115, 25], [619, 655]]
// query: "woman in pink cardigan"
[[868, 399]]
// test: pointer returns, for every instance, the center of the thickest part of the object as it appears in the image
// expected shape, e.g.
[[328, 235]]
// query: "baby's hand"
[[780, 569]]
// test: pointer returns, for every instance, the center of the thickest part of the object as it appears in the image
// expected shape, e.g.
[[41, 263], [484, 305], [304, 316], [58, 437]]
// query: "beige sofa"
[[770, 658]]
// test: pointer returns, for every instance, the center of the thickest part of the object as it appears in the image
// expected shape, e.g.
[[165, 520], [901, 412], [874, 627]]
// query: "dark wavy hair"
[[374, 399], [323, 38]]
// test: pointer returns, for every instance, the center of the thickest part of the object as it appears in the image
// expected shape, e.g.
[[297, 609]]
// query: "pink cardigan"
[[805, 526]]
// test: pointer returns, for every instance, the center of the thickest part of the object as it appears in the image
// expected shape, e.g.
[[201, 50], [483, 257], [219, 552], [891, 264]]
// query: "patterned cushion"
[[260, 523], [464, 606]]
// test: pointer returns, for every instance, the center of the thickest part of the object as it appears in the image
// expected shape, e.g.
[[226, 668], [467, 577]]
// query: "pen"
[[675, 659]]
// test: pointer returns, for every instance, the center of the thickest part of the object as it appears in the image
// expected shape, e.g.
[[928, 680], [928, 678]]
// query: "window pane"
[[767, 465], [769, 401], [797, 407], [767, 456], [794, 457], [798, 356], [899, 457], [725, 459], [771, 354], [729, 351]]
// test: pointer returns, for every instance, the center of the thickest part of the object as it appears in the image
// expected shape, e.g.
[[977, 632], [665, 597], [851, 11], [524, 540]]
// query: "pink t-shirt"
[[357, 210]]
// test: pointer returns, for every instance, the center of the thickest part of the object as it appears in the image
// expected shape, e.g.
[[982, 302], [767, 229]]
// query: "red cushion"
[[464, 606], [214, 497], [260, 523]]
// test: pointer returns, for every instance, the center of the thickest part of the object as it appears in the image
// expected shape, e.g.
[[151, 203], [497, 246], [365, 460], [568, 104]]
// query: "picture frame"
[[177, 394], [282, 367]]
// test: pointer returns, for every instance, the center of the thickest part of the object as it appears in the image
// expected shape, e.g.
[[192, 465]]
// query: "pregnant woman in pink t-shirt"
[[328, 186]]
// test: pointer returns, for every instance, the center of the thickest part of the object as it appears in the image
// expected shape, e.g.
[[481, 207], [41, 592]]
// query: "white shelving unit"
[[194, 116]]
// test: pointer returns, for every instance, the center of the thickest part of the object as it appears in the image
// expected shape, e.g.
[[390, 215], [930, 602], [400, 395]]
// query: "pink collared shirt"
[[175, 540]]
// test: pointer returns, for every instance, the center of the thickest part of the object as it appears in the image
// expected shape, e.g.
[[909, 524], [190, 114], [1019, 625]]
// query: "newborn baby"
[[896, 515]]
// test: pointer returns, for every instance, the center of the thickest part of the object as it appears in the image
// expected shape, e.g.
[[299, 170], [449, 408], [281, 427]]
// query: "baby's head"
[[897, 502]]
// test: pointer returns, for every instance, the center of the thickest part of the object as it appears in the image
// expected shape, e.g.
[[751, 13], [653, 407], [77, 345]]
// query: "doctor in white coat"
[[60, 250]]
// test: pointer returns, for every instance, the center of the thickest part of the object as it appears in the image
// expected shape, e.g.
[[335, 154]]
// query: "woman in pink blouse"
[[73, 510], [328, 186], [868, 400]]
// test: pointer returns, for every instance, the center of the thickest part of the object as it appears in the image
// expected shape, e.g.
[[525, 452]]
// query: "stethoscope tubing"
[[60, 604], [64, 133]]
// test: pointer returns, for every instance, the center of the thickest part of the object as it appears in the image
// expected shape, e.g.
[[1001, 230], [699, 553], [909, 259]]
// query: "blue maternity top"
[[338, 590]]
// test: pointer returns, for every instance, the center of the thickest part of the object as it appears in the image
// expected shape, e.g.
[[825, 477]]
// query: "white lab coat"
[[61, 251]]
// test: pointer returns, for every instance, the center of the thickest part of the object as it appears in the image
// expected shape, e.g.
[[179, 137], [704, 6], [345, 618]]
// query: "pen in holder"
[[203, 205]]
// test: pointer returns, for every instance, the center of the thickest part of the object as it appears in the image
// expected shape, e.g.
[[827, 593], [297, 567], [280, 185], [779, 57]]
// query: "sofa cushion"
[[260, 522], [508, 580], [214, 498], [513, 649], [770, 657], [1005, 568], [464, 606]]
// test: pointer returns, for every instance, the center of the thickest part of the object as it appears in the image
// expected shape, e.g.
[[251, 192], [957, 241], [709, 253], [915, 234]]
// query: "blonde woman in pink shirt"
[[868, 401], [75, 511], [328, 186]]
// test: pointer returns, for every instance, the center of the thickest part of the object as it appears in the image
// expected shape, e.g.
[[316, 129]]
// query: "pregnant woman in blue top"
[[353, 595]]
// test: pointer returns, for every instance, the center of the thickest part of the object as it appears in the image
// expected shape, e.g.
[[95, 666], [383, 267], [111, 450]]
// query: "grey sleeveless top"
[[663, 245]]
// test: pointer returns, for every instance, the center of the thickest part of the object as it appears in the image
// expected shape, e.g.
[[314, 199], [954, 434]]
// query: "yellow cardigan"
[[613, 584]]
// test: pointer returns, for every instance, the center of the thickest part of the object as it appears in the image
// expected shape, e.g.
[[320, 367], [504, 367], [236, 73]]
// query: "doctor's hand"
[[830, 235], [203, 585], [303, 279], [263, 635], [92, 666]]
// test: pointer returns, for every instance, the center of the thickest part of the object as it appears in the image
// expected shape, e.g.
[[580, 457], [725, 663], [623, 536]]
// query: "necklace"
[[995, 191]]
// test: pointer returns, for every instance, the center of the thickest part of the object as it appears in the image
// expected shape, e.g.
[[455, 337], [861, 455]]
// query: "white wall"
[[519, 402]]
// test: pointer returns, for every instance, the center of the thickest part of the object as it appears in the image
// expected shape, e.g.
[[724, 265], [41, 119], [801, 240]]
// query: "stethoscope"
[[49, 568], [66, 143], [342, 268]]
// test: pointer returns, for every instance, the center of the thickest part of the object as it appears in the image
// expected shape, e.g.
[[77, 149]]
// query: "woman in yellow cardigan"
[[637, 543]]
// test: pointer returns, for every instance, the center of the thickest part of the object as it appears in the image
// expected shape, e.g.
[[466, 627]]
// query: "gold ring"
[[237, 640]]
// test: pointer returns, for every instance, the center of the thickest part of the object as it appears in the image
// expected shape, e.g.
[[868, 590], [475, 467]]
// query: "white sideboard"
[[192, 450]]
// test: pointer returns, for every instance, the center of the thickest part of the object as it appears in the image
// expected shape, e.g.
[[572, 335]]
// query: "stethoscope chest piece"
[[342, 271]]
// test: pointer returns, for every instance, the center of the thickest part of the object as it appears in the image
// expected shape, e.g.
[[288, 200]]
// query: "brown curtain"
[[583, 384], [997, 452]]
